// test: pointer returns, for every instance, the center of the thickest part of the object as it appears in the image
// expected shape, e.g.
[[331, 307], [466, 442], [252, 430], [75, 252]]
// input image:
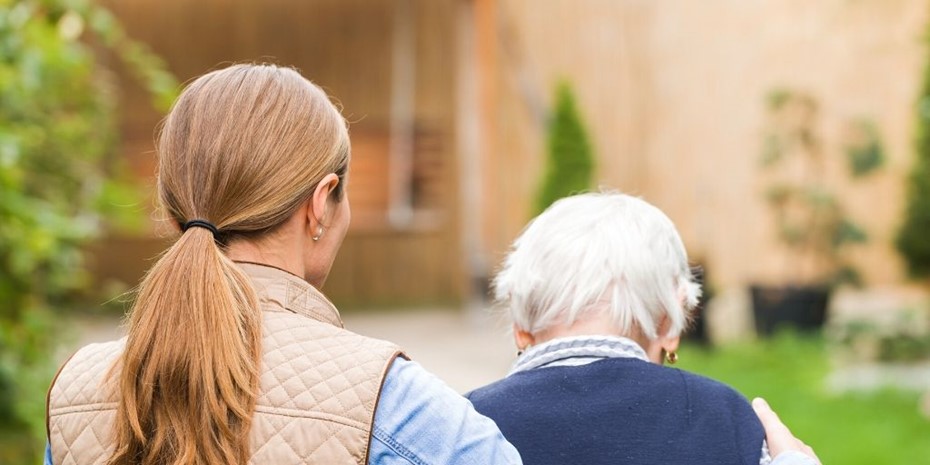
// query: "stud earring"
[[319, 233], [671, 357]]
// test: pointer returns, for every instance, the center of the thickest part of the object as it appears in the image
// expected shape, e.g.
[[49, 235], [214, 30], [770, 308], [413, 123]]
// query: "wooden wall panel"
[[673, 94], [344, 46]]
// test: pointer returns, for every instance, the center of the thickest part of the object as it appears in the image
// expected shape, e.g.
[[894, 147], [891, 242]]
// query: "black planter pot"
[[799, 307]]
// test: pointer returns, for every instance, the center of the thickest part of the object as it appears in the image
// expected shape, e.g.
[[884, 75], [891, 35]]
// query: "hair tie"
[[200, 224]]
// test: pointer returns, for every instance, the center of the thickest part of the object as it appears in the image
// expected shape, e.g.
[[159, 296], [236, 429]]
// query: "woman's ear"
[[319, 202], [663, 343], [669, 343], [522, 339]]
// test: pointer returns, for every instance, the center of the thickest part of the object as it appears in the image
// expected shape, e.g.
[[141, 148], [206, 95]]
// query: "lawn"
[[849, 429]]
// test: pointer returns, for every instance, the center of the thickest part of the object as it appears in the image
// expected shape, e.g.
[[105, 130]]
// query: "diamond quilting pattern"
[[319, 386], [321, 439], [94, 432], [80, 408], [86, 374], [311, 365]]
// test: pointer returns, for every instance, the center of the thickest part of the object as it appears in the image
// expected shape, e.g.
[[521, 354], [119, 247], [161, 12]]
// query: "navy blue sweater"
[[622, 411]]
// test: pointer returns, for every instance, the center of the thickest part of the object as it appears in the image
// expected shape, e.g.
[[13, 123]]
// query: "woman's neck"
[[268, 251]]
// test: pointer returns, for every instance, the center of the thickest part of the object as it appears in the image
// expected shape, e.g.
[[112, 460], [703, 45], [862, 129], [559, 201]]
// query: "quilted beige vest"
[[319, 385]]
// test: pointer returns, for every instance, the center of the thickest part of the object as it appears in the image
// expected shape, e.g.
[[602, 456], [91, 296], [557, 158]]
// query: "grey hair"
[[599, 252]]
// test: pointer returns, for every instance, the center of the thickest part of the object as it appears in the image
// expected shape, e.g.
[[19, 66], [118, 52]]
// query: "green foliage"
[[864, 149], [569, 161], [913, 239], [904, 339], [789, 372], [812, 222], [58, 171]]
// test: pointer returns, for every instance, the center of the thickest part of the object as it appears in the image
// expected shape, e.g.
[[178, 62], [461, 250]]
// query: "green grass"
[[789, 371]]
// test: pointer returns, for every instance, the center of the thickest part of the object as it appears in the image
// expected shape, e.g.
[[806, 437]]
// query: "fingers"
[[765, 413], [770, 421], [778, 435]]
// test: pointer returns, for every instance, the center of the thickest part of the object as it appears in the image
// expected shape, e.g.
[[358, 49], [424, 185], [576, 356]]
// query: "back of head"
[[241, 149], [245, 145], [598, 252]]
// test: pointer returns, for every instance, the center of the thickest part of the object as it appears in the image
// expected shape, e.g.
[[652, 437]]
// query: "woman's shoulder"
[[642, 374], [709, 388], [94, 358], [478, 395], [80, 379], [287, 328], [699, 388]]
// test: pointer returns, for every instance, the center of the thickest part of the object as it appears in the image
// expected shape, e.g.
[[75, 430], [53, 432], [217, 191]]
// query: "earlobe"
[[668, 343], [670, 348]]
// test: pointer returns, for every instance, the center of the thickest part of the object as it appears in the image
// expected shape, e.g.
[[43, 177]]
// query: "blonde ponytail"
[[242, 148], [189, 373]]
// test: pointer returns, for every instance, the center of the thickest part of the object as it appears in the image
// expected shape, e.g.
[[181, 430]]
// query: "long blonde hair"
[[242, 148]]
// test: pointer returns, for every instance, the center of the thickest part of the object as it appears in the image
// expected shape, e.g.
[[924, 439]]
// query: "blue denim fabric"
[[421, 421]]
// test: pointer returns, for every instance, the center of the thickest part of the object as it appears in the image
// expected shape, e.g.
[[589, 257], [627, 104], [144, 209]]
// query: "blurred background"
[[788, 140]]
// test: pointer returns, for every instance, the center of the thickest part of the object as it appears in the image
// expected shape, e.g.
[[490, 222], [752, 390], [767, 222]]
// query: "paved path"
[[465, 348]]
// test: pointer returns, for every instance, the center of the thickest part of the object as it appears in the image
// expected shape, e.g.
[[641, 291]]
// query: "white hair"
[[599, 252]]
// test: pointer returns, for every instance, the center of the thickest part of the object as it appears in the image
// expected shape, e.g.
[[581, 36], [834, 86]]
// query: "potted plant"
[[811, 222], [913, 239], [569, 158]]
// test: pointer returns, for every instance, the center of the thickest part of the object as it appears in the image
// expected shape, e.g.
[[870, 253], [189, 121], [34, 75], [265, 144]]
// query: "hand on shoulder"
[[778, 435]]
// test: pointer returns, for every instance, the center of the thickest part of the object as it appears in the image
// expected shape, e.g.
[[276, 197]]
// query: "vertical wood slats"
[[344, 46]]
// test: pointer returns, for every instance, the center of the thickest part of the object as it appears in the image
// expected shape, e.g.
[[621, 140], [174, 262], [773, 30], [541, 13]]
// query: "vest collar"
[[285, 290]]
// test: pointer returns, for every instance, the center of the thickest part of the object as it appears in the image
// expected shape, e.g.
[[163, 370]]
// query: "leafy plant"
[[913, 239], [569, 161], [811, 220], [59, 178], [905, 339]]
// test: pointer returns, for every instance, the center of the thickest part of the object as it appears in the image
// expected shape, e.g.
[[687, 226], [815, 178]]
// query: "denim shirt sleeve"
[[421, 421], [48, 454]]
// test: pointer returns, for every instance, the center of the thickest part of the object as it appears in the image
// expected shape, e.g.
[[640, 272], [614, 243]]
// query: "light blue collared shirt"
[[422, 421]]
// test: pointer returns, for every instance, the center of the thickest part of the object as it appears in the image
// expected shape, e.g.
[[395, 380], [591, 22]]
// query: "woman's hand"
[[778, 435]]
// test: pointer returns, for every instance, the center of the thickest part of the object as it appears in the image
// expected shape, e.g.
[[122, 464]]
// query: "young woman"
[[233, 355]]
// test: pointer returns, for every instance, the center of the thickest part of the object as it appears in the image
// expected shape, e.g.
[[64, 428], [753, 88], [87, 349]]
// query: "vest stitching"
[[296, 413], [397, 447], [374, 407], [80, 408]]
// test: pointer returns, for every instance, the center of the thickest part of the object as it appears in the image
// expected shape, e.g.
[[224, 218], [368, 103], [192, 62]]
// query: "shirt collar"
[[577, 350], [288, 291]]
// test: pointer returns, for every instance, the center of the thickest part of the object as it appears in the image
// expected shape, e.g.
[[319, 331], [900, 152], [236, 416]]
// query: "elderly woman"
[[599, 290]]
